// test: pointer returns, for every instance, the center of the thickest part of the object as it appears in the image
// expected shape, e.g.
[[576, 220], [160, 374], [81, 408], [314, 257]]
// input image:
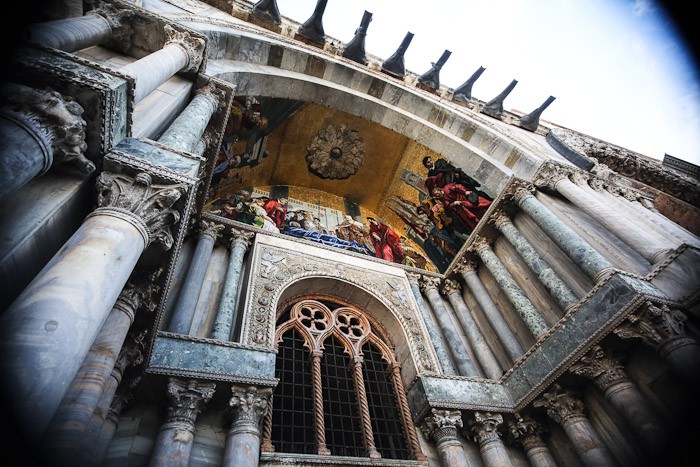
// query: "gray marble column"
[[173, 444], [442, 426], [188, 295], [429, 286], [104, 25], [581, 253], [38, 127], [226, 314], [567, 410], [527, 311], [556, 287], [663, 329], [49, 329], [185, 133], [467, 269], [435, 337], [609, 376], [181, 52], [248, 406], [527, 432], [646, 207], [481, 348], [484, 429]]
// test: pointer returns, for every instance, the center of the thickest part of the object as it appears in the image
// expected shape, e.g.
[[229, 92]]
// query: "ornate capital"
[[654, 325], [193, 46], [599, 366], [249, 404], [484, 427], [133, 351], [597, 184], [522, 191], [479, 244], [116, 18], [526, 432], [499, 218], [450, 286], [210, 228], [139, 292], [212, 93], [241, 237], [549, 174], [429, 283], [561, 404], [151, 203], [59, 119], [187, 399], [579, 179], [465, 265], [442, 425], [413, 278]]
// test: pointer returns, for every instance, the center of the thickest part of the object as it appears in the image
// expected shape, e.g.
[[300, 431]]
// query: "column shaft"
[[187, 129], [626, 397], [153, 70], [53, 323], [248, 406], [539, 456], [71, 34], [586, 442], [226, 314], [581, 253]]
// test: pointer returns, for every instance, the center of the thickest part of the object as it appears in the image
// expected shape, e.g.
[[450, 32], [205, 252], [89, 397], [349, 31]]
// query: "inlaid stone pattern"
[[275, 268]]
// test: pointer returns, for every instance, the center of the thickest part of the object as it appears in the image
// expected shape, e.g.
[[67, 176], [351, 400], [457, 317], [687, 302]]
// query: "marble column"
[[441, 426], [645, 242], [181, 52], [174, 441], [567, 410], [105, 433], [556, 287], [49, 329], [64, 435], [608, 374], [185, 133], [435, 337], [484, 429], [38, 127], [467, 269], [481, 348], [527, 432], [429, 286], [592, 263], [527, 311], [248, 406], [226, 314], [104, 25], [663, 329], [188, 295]]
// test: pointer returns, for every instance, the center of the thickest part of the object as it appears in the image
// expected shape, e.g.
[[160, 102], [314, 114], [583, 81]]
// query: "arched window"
[[340, 391]]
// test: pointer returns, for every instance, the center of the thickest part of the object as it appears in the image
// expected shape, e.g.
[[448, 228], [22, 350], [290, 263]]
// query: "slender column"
[[411, 435], [182, 52], [559, 290], [365, 420], [481, 348], [581, 253], [174, 440], [38, 127], [609, 376], [484, 429], [186, 131], [467, 269], [527, 433], [105, 24], [183, 311], [47, 332], [567, 410], [441, 426], [226, 314], [644, 242], [435, 337], [517, 297], [663, 329], [429, 286], [656, 217], [248, 406], [319, 419], [65, 434]]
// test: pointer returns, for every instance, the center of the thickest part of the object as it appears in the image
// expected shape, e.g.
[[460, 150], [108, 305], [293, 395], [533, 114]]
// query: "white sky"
[[618, 69]]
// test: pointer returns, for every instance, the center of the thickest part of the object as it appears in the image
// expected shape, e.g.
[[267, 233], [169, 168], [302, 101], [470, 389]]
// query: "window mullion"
[[317, 389], [411, 435], [366, 424]]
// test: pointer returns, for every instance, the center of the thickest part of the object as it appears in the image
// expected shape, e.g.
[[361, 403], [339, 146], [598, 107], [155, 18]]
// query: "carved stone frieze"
[[249, 404], [601, 367], [653, 324], [187, 398], [193, 46], [336, 152], [561, 404], [151, 203]]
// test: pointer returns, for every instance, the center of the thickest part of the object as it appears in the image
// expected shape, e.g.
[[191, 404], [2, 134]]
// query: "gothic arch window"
[[340, 391]]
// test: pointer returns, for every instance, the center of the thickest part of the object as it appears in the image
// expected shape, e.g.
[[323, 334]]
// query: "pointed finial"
[[312, 29], [431, 78], [355, 50], [494, 108], [532, 120], [394, 65], [464, 92]]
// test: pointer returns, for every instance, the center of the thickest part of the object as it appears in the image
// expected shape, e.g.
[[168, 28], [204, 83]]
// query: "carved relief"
[[187, 398], [561, 404], [336, 152], [193, 46], [249, 404], [653, 324]]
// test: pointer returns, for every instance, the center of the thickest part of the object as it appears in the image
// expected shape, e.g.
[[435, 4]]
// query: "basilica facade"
[[232, 239]]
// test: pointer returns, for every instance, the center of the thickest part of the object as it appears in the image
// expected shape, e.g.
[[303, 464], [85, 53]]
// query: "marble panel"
[[161, 157]]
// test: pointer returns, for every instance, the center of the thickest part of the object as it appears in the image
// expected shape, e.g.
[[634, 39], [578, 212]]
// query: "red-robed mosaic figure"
[[386, 241]]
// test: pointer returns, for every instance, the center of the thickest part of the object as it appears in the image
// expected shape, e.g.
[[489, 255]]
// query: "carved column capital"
[[137, 196], [442, 425], [466, 265], [579, 179], [479, 244], [597, 184], [526, 432], [187, 399], [249, 404], [193, 46], [499, 218], [138, 293], [132, 352], [450, 286], [413, 278], [653, 324], [549, 174], [213, 93], [241, 237], [599, 366], [561, 404], [522, 191], [429, 283], [210, 228], [116, 17], [484, 427]]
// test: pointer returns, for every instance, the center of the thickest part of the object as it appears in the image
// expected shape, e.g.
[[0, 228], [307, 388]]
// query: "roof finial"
[[464, 92], [494, 108], [355, 50], [431, 78], [394, 65]]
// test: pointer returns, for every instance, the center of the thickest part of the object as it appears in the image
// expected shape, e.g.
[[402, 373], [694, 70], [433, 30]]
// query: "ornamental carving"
[[442, 425], [654, 325], [193, 46], [117, 18], [187, 399], [527, 432], [336, 152], [561, 404], [249, 404], [484, 427], [601, 367]]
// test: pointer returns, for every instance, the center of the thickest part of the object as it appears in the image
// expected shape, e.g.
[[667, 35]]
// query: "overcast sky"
[[619, 69]]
